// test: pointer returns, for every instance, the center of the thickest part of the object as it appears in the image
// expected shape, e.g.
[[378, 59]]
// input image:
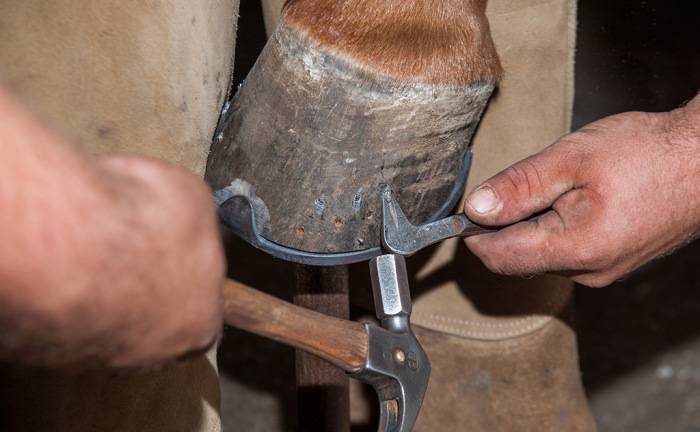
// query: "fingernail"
[[483, 200]]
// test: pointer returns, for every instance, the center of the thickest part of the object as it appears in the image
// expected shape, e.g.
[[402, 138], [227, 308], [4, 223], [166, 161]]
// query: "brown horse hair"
[[442, 42]]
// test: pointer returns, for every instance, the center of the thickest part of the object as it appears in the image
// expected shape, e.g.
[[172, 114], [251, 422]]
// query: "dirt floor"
[[639, 339]]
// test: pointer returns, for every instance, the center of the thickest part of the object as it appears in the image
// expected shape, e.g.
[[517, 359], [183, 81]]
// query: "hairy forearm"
[[684, 127], [683, 138]]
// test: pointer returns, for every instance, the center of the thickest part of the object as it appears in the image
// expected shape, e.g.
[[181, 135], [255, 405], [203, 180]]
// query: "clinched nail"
[[483, 200]]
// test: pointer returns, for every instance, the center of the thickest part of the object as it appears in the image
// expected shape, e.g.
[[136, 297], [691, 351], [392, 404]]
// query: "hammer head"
[[399, 370], [397, 367]]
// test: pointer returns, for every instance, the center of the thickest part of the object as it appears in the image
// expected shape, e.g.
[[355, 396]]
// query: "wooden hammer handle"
[[341, 342]]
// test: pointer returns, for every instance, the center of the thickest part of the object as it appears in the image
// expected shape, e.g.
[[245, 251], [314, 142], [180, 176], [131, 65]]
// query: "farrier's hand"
[[116, 262], [167, 281], [616, 194]]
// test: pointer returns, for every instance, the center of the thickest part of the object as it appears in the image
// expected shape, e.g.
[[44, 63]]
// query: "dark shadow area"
[[634, 55], [250, 41], [319, 407], [639, 344], [370, 425], [633, 321], [258, 390], [257, 374]]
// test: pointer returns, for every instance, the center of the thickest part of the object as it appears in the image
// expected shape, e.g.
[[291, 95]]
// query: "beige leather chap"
[[145, 77]]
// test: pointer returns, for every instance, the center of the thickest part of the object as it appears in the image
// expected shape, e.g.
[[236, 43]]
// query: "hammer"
[[389, 358]]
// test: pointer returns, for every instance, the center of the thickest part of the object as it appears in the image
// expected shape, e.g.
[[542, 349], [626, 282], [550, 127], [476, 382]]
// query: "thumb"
[[525, 188]]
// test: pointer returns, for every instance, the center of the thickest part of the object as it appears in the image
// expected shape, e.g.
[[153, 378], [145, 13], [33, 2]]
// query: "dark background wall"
[[640, 339]]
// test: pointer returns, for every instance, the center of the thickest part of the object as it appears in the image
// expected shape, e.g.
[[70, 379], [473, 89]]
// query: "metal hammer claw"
[[397, 367]]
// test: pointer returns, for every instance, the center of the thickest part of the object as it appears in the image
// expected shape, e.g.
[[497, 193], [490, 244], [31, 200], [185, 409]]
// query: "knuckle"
[[206, 326], [585, 258], [194, 206], [592, 255], [486, 253], [582, 143], [524, 178]]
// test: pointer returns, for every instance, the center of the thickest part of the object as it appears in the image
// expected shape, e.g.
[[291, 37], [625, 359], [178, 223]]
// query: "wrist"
[[689, 119], [684, 126], [683, 135]]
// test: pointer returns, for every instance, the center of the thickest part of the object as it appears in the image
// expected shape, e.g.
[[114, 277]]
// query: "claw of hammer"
[[396, 366]]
